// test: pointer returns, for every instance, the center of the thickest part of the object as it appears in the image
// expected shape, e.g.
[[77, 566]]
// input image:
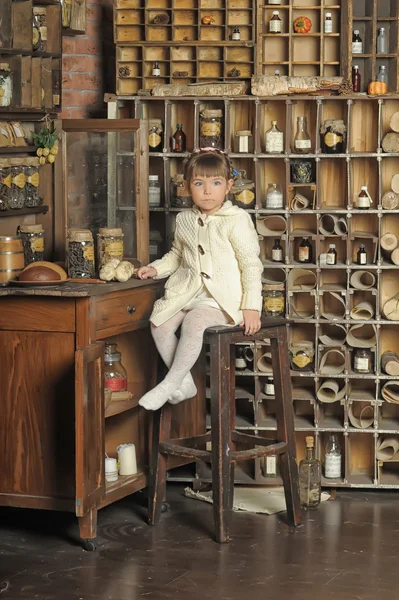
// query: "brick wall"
[[88, 64]]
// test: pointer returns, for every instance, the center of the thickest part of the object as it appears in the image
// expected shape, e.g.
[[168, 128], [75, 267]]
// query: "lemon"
[[51, 158], [54, 150], [39, 151], [46, 151], [42, 160]]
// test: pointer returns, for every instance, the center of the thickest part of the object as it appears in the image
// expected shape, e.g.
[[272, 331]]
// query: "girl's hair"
[[207, 163]]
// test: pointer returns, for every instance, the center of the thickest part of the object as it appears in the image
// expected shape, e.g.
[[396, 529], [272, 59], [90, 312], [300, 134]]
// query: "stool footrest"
[[239, 455], [187, 447], [246, 439]]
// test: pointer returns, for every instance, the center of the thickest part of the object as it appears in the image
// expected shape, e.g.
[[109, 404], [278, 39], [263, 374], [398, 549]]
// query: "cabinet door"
[[89, 427]]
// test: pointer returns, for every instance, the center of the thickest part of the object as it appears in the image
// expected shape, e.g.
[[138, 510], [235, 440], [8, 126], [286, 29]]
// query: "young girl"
[[214, 275]]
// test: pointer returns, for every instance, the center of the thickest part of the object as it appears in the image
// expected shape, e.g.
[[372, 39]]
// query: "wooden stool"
[[223, 434]]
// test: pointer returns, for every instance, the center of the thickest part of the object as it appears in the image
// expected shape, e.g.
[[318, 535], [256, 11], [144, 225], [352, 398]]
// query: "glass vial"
[[309, 477], [179, 139], [382, 46], [274, 140], [275, 23], [363, 199], [274, 196], [236, 35], [302, 143], [382, 75], [331, 255], [305, 251], [328, 26], [154, 191], [357, 43], [156, 71], [277, 252], [356, 79], [333, 458], [361, 257]]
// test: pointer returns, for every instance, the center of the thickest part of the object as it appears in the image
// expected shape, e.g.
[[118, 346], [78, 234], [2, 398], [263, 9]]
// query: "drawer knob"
[[130, 309]]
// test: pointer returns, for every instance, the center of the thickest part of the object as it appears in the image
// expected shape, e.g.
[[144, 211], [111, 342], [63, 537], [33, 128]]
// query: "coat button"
[[201, 250], [201, 222], [204, 275]]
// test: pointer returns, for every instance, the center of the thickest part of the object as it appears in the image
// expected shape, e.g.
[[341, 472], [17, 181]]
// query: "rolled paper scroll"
[[271, 226], [364, 311], [390, 309], [361, 415], [362, 280], [301, 279], [361, 336], [299, 202], [330, 315], [387, 449], [332, 335], [332, 362], [329, 391], [264, 363], [331, 224], [274, 276], [390, 392]]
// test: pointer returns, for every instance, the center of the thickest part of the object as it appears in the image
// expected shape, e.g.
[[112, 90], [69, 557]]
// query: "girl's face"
[[209, 193]]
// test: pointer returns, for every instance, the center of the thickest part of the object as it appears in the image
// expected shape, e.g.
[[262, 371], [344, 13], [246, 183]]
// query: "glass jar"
[[302, 171], [32, 182], [180, 197], [211, 129], [5, 85], [115, 378], [109, 245], [274, 140], [155, 131], [5, 184], [154, 191], [18, 183], [243, 190], [80, 258], [40, 28], [301, 355], [274, 196], [273, 299], [363, 360], [333, 134], [243, 142], [32, 237]]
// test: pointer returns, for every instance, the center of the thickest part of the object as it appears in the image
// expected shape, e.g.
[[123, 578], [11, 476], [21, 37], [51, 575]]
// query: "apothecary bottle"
[[32, 237], [356, 79], [309, 477], [275, 23], [363, 361], [211, 129], [80, 256], [115, 377], [305, 251], [275, 2], [363, 199], [269, 465], [179, 197], [32, 182], [274, 196], [236, 35], [273, 299], [331, 255], [18, 183], [109, 245], [328, 24], [333, 458], [243, 141], [382, 74], [357, 43], [274, 139], [154, 191], [155, 131], [382, 47], [361, 257], [156, 71], [269, 387], [277, 252], [179, 139], [302, 142], [5, 184]]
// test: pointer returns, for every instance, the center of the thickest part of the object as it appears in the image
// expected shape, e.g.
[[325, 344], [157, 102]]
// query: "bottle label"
[[274, 1], [328, 26], [240, 363], [275, 26], [19, 180], [236, 37], [303, 254], [277, 254], [357, 47], [363, 258], [330, 258], [271, 465], [43, 33], [275, 142], [88, 253], [362, 364], [114, 249], [269, 389], [245, 197], [211, 129], [363, 202], [154, 139], [302, 144], [274, 200], [37, 244], [332, 139], [333, 466], [274, 305], [34, 179], [154, 196], [156, 72], [6, 181], [301, 361], [116, 384]]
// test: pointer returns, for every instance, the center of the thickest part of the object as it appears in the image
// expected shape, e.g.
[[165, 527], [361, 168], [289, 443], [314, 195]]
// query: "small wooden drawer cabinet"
[[54, 431]]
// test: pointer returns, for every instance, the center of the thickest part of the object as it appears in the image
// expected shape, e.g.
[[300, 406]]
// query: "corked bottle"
[[80, 254], [109, 245], [211, 129], [32, 237]]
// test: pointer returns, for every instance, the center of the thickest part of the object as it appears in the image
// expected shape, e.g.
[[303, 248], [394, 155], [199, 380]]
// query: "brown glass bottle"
[[305, 253], [179, 139]]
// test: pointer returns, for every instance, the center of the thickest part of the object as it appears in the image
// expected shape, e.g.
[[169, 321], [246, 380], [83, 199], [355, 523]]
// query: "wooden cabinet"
[[54, 430]]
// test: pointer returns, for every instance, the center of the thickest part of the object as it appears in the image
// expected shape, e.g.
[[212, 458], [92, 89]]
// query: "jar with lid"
[[243, 142], [32, 237], [273, 299], [301, 355], [211, 129], [333, 134], [363, 360], [180, 197], [80, 259], [18, 183], [5, 85], [243, 190], [115, 378], [5, 184], [40, 28], [154, 191], [32, 182], [274, 196], [109, 245]]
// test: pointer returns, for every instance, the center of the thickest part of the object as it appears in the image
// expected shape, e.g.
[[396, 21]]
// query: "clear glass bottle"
[[362, 361], [361, 257], [331, 255], [305, 251], [269, 465], [154, 192], [309, 477], [32, 237], [382, 74], [328, 24], [236, 35], [277, 252], [243, 190], [156, 71], [109, 245], [179, 139], [356, 79], [333, 458], [274, 196], [302, 142], [115, 378], [273, 299], [382, 46], [274, 140], [363, 199], [275, 23], [357, 43], [243, 141]]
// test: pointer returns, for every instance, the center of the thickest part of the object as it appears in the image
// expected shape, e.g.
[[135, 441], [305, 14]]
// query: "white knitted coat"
[[219, 251]]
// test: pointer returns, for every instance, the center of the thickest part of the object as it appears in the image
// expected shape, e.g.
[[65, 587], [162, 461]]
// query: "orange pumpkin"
[[377, 88], [207, 20], [302, 25]]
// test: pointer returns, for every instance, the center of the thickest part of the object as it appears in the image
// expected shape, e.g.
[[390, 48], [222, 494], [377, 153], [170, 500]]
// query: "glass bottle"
[[274, 196], [333, 458], [40, 22], [154, 191], [115, 378], [277, 251], [277, 73], [274, 139], [155, 135], [382, 47], [179, 139], [269, 465], [275, 23], [236, 35], [362, 361], [302, 143], [382, 75], [32, 237], [331, 255], [243, 141], [305, 252], [357, 43], [275, 1], [309, 477], [361, 257], [269, 387], [363, 199], [356, 79], [156, 71], [240, 362], [328, 26]]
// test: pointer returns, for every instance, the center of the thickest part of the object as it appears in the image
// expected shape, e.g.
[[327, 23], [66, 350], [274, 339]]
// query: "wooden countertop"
[[75, 290]]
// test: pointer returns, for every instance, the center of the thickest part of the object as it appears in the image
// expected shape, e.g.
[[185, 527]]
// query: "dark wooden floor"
[[347, 550]]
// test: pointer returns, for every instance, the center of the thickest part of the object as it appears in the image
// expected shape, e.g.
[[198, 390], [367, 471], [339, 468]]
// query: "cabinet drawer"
[[118, 312], [24, 313]]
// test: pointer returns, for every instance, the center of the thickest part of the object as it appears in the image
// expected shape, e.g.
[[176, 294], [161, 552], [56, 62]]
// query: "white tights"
[[180, 355]]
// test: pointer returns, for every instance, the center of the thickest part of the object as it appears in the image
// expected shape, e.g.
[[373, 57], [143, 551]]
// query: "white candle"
[[127, 459], [111, 470]]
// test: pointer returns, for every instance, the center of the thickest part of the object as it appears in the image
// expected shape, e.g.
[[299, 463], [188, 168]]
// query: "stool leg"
[[285, 425], [158, 462], [221, 436]]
